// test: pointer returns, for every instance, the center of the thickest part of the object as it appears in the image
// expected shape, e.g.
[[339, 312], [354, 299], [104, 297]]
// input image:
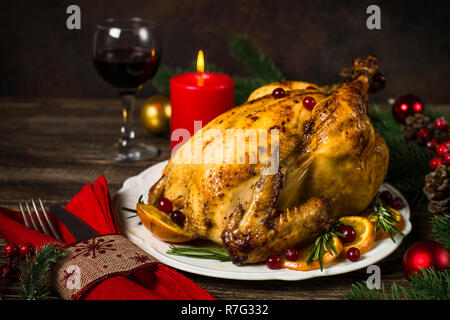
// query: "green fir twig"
[[441, 229], [33, 273], [428, 284]]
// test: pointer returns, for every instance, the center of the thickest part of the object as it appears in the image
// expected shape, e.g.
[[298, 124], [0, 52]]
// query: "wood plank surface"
[[49, 148]]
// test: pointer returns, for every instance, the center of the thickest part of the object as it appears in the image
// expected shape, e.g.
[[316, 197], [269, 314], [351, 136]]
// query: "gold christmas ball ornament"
[[155, 114]]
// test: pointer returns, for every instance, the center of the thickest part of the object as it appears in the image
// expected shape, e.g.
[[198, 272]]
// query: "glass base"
[[133, 152]]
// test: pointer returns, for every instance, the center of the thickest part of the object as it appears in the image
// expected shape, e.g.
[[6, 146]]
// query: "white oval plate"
[[139, 185]]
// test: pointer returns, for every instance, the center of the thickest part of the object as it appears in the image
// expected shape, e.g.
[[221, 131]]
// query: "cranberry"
[[397, 203], [440, 123], [348, 233], [447, 158], [386, 196], [178, 217], [310, 88], [273, 262], [309, 103], [424, 135], [435, 162], [441, 150], [25, 248], [4, 270], [164, 204], [447, 144], [278, 93], [432, 144], [353, 254], [292, 254], [10, 250]]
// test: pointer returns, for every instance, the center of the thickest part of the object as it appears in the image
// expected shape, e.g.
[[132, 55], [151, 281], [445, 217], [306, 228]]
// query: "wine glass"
[[126, 54]]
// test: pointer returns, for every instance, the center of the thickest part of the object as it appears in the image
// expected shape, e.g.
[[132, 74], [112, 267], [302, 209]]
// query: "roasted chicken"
[[329, 163]]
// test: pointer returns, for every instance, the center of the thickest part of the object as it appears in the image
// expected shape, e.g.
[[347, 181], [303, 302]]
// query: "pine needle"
[[33, 278], [441, 229], [428, 285], [254, 61]]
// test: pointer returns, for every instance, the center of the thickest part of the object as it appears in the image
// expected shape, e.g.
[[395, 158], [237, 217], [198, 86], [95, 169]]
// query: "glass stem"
[[127, 134]]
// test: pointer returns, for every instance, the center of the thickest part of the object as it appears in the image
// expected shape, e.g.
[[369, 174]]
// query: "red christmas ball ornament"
[[425, 254], [406, 105]]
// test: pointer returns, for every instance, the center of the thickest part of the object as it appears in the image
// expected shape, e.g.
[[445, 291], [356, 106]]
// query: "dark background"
[[309, 40]]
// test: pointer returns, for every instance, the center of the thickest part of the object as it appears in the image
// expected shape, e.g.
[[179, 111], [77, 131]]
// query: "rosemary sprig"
[[132, 210], [200, 253], [386, 218], [323, 244]]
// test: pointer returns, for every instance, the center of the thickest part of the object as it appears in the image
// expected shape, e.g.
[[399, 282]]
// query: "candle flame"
[[200, 61], [153, 53]]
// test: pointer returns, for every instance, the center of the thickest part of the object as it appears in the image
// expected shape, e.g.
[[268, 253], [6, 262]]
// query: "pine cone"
[[437, 189], [414, 123]]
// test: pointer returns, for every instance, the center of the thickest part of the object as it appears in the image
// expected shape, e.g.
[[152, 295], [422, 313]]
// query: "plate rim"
[[281, 274]]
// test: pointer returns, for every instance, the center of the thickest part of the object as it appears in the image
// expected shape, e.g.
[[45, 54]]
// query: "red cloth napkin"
[[93, 205]]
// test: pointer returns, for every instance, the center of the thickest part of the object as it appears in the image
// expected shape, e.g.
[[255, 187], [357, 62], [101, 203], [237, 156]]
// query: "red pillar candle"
[[198, 96]]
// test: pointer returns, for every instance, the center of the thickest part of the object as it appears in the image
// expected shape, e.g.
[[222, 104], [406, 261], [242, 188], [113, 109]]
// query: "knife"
[[77, 227]]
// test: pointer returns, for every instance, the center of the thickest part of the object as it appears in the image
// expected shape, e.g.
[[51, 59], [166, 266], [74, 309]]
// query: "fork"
[[53, 232]]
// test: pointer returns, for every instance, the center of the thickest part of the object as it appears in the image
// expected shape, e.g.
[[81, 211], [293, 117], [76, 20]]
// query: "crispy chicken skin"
[[331, 163]]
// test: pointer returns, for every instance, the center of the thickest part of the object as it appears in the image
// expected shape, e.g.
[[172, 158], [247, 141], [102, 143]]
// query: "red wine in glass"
[[126, 54], [127, 68]]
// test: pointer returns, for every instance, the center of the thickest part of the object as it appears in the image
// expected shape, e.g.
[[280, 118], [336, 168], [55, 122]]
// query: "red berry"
[[353, 254], [291, 254], [441, 150], [440, 123], [432, 144], [164, 205], [10, 250], [435, 162], [447, 144], [386, 196], [348, 232], [178, 217], [309, 103], [447, 158], [4, 270], [310, 88], [25, 248], [273, 262], [424, 135], [397, 203], [278, 93]]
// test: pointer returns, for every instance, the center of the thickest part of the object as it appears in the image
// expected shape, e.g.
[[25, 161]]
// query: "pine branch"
[[428, 285], [254, 61], [441, 229], [408, 163], [33, 278]]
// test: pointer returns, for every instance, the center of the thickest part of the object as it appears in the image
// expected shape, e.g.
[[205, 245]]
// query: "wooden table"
[[49, 148]]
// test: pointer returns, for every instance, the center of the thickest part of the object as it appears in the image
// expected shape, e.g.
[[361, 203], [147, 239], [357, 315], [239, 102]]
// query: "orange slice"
[[301, 265], [365, 234], [383, 234], [160, 224]]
